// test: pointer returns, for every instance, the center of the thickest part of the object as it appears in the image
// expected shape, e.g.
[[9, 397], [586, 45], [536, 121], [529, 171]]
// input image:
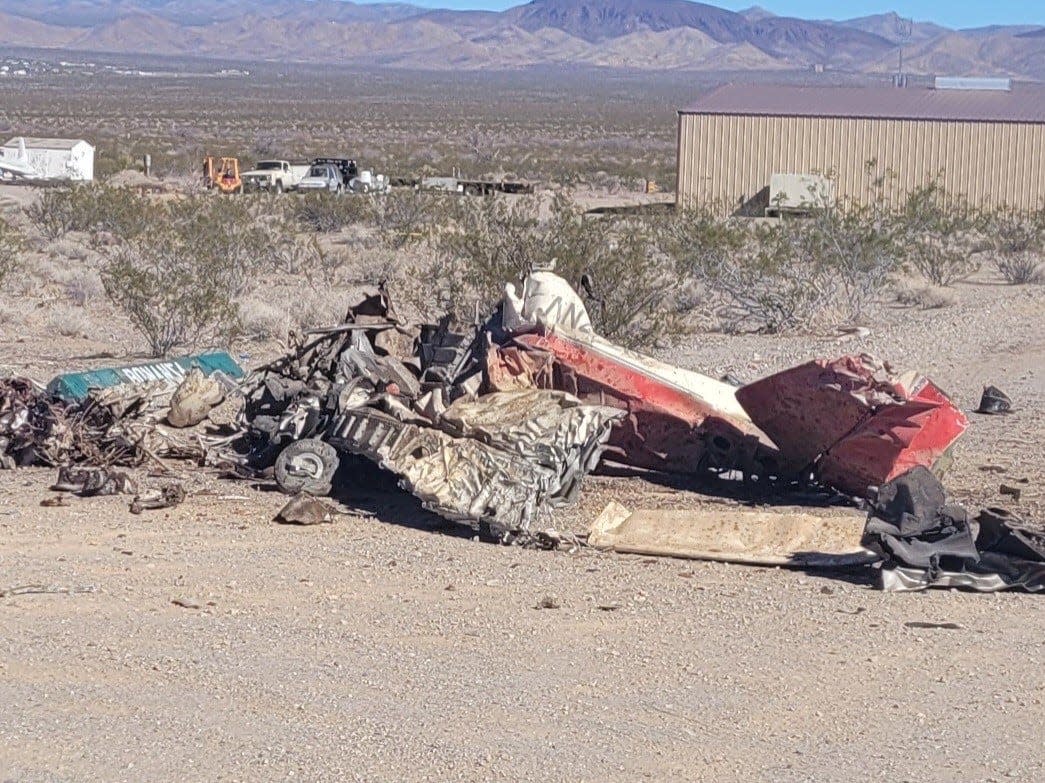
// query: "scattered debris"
[[1013, 492], [6, 592], [167, 496], [777, 537], [921, 624], [548, 602], [56, 501], [304, 509], [93, 482], [927, 543], [37, 429], [497, 461], [855, 425], [994, 401], [497, 424], [186, 603]]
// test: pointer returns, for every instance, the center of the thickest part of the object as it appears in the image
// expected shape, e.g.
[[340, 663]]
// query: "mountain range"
[[641, 34]]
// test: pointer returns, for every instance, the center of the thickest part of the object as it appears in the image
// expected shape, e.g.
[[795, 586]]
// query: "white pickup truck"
[[275, 176]]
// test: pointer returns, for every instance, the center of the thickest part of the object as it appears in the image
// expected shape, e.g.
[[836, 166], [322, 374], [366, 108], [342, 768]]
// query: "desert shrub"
[[404, 217], [180, 283], [10, 250], [789, 274], [926, 297], [69, 322], [1017, 245], [92, 208], [937, 232], [83, 286], [631, 283], [325, 212], [262, 321]]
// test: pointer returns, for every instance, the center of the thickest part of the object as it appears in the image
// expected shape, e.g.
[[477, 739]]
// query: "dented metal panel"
[[676, 420], [858, 426], [75, 386]]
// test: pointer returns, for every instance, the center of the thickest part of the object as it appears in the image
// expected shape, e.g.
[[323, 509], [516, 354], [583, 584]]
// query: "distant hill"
[[646, 34]]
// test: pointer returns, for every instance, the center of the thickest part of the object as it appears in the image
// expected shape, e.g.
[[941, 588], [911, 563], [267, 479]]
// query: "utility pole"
[[904, 31]]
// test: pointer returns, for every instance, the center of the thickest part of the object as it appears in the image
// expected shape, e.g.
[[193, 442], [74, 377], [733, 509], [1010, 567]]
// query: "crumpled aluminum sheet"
[[551, 428], [523, 454]]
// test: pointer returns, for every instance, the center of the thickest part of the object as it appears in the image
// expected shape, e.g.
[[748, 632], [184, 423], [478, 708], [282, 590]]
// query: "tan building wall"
[[728, 159]]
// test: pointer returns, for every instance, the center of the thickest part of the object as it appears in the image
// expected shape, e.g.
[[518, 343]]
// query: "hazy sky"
[[952, 13]]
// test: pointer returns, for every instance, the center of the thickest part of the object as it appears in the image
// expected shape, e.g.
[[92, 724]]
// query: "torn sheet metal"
[[859, 427], [675, 420], [486, 477], [549, 428], [786, 536], [75, 386]]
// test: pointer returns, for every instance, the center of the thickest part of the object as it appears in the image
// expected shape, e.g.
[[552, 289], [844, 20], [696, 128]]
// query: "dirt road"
[[365, 650]]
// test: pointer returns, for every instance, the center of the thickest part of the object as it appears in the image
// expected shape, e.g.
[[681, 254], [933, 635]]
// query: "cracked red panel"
[[919, 431], [864, 430], [670, 426]]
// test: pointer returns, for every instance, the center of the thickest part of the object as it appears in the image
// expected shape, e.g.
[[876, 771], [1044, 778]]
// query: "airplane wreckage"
[[497, 426]]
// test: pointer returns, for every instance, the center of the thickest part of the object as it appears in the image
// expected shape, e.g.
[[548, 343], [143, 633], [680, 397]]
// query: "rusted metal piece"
[[37, 429], [676, 421], [858, 428]]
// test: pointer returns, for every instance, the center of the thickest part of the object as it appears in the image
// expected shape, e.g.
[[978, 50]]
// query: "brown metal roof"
[[1024, 103]]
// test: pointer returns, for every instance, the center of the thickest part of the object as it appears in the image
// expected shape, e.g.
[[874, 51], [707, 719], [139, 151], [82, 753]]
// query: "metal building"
[[61, 159], [986, 143]]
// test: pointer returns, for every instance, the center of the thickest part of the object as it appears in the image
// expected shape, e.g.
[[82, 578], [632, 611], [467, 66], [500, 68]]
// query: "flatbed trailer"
[[463, 186]]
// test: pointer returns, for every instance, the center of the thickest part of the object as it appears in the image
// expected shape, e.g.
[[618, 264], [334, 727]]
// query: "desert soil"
[[206, 642]]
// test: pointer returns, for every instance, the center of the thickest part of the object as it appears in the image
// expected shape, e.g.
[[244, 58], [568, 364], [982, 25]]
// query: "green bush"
[[10, 250], [1018, 244], [180, 282], [92, 208], [489, 242]]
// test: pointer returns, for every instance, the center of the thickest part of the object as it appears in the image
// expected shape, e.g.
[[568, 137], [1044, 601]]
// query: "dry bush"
[[788, 275], [9, 314], [92, 208], [11, 246], [69, 322], [83, 286], [326, 213], [495, 241], [323, 307], [404, 217], [926, 297], [69, 249], [260, 320], [181, 282], [1017, 245], [938, 233]]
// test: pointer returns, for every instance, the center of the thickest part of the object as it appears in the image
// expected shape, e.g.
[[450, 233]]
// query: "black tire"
[[306, 465]]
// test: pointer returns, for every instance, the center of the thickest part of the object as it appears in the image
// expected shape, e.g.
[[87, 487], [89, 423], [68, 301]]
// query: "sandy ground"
[[207, 643]]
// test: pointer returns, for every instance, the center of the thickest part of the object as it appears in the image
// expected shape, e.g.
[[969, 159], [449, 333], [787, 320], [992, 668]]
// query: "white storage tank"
[[61, 159]]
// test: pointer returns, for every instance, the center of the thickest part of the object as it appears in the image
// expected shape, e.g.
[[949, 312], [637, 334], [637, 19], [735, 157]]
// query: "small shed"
[[63, 159]]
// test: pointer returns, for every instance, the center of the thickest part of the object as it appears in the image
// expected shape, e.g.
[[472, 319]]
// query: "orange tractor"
[[223, 174]]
